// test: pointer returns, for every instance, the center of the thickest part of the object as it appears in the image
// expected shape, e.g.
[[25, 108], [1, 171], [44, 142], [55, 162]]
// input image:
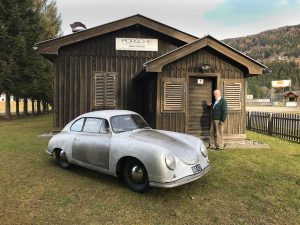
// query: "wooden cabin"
[[291, 98], [142, 65]]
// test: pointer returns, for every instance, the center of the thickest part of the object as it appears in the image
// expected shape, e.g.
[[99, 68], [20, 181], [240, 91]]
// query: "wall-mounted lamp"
[[205, 66]]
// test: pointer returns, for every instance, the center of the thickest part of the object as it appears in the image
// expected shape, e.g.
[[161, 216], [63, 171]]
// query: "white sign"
[[291, 103], [281, 83], [137, 44], [200, 81]]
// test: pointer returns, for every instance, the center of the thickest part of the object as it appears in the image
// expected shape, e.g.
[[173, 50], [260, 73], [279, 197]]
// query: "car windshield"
[[125, 123]]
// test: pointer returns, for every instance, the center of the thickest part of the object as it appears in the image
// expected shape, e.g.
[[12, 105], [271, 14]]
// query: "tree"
[[22, 70], [51, 24]]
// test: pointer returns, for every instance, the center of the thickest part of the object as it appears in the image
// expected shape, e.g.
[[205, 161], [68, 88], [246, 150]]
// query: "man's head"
[[217, 94]]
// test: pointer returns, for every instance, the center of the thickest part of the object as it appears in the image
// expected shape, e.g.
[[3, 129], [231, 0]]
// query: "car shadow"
[[87, 173], [153, 192]]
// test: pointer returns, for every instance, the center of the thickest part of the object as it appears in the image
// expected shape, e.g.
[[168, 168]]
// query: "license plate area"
[[197, 168]]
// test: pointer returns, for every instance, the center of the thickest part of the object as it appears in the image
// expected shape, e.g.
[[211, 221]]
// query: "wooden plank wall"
[[192, 63], [76, 64]]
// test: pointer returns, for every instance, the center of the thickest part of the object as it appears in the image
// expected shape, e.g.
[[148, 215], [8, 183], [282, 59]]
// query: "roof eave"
[[254, 68], [51, 46]]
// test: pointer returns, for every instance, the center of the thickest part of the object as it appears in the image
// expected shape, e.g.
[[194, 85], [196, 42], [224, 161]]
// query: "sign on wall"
[[281, 83], [136, 44]]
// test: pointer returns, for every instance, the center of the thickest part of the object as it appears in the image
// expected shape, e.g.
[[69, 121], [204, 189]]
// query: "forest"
[[279, 49]]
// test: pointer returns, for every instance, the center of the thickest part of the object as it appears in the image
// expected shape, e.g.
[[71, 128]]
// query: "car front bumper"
[[181, 181]]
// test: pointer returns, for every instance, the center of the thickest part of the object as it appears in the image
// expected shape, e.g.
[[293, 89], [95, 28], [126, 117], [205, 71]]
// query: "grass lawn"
[[244, 187]]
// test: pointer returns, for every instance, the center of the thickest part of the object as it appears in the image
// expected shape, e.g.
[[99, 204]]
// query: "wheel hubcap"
[[63, 156], [137, 174]]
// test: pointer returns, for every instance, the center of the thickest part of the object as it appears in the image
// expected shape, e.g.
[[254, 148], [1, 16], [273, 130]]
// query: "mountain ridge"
[[279, 49], [281, 44]]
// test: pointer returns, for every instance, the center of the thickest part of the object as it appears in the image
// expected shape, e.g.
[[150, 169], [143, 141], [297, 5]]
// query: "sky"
[[219, 18]]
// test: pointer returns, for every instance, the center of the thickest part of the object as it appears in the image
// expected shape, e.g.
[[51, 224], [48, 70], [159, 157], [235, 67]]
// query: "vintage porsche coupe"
[[120, 143]]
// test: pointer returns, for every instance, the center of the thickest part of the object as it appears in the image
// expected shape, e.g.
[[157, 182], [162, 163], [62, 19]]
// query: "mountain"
[[277, 44], [279, 49]]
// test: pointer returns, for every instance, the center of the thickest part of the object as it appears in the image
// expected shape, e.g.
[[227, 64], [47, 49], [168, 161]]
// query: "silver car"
[[120, 143]]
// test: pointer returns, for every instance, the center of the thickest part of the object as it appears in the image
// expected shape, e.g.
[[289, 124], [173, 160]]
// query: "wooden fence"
[[281, 125]]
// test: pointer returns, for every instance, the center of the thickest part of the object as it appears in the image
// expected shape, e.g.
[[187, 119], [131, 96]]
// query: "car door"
[[91, 145]]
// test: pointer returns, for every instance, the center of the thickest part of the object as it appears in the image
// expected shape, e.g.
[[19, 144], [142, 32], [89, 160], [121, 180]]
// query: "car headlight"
[[170, 161], [203, 150]]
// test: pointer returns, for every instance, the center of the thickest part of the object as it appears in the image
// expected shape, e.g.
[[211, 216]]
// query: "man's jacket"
[[219, 112]]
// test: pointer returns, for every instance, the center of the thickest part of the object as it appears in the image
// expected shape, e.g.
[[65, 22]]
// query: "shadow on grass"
[[115, 183], [79, 171]]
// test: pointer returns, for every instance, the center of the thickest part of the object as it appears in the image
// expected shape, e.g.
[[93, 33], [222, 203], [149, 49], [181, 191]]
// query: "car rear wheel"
[[61, 159], [135, 175]]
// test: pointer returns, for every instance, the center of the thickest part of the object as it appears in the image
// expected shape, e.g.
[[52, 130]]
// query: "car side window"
[[104, 127], [92, 125], [77, 125]]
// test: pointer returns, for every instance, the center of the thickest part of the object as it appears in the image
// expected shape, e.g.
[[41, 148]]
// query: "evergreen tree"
[[23, 72]]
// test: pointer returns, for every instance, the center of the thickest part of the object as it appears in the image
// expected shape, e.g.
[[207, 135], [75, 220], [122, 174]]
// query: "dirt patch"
[[246, 144]]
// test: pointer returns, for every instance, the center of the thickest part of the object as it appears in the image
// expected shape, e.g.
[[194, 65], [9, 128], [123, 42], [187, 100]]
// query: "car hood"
[[176, 145]]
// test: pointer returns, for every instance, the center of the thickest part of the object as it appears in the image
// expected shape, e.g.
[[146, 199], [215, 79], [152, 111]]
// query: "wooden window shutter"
[[173, 93], [233, 95], [105, 90]]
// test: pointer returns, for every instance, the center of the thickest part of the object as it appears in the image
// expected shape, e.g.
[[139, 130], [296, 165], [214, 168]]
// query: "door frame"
[[217, 77]]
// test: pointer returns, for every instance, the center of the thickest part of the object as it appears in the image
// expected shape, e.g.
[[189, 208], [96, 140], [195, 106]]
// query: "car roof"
[[106, 114]]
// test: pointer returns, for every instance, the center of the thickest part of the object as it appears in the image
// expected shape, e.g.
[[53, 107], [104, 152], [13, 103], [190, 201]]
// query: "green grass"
[[244, 187]]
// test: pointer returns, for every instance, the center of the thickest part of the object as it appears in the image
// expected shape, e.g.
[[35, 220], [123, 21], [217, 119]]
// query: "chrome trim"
[[181, 181], [49, 153], [137, 174]]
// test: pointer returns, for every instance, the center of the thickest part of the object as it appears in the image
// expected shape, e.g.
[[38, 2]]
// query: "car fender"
[[64, 141], [151, 155]]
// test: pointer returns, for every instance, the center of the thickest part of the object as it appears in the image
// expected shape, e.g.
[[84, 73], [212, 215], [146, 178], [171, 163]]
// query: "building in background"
[[291, 98]]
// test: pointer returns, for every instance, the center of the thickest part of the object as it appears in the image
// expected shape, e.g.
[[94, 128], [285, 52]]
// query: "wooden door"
[[200, 94]]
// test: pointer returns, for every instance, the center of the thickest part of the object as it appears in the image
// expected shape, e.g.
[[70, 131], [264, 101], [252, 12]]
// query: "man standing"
[[218, 117]]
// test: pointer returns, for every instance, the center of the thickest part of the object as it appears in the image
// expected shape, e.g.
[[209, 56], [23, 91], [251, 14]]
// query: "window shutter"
[[233, 95], [110, 96], [173, 96], [105, 90]]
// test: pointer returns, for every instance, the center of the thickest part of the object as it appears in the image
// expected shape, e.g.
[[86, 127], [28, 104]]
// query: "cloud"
[[240, 12]]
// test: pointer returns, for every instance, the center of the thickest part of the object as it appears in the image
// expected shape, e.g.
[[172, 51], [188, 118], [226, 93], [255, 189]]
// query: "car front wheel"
[[61, 159], [135, 175]]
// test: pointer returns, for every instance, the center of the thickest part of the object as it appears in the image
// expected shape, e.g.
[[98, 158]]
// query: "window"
[[92, 125], [105, 87], [173, 95], [125, 123], [292, 99], [232, 94], [77, 125], [104, 127]]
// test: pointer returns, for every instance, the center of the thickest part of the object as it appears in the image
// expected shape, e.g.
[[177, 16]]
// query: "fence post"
[[249, 120], [270, 124]]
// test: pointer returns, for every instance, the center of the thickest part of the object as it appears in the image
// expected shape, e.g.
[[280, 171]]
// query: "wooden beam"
[[157, 64], [51, 47]]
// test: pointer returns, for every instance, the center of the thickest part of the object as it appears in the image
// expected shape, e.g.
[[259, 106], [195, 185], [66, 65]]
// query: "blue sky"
[[242, 12], [219, 18]]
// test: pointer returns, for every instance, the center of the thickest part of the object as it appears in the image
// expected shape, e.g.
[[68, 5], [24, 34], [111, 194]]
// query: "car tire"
[[135, 175], [63, 163]]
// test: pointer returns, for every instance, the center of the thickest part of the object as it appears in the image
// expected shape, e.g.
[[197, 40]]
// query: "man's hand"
[[221, 123]]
